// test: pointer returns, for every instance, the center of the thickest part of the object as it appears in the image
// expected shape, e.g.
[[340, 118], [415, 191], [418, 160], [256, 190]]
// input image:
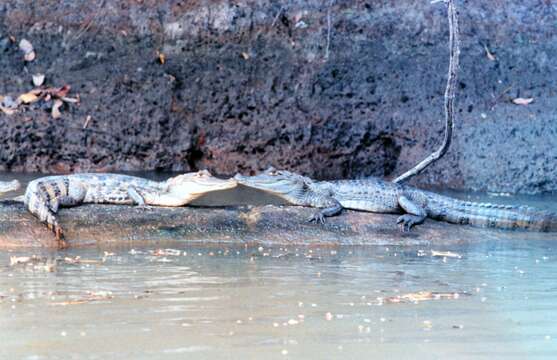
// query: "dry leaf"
[[522, 101], [162, 58], [25, 46], [29, 56], [245, 55], [38, 79], [56, 109], [28, 98], [490, 56]]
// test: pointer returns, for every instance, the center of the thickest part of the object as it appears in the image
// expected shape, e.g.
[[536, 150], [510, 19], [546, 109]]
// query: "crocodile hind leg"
[[415, 214]]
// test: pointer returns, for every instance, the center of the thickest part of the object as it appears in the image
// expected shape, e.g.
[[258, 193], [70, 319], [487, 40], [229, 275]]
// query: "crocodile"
[[44, 196], [379, 196]]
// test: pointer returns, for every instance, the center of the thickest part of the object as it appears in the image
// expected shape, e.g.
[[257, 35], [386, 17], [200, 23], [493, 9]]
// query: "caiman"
[[379, 196], [44, 196]]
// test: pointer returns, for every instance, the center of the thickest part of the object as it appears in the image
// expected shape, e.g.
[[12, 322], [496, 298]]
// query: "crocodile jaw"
[[271, 184]]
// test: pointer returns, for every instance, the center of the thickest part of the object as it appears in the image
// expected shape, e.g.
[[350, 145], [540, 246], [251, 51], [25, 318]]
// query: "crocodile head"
[[196, 184], [282, 183], [6, 186]]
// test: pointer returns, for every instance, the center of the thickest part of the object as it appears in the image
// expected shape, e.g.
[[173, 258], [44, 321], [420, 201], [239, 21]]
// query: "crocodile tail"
[[39, 198], [490, 215]]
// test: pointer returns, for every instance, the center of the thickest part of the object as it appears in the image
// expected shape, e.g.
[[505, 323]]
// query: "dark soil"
[[247, 84]]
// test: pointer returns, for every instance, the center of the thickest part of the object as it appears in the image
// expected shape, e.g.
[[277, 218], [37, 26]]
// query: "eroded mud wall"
[[247, 84]]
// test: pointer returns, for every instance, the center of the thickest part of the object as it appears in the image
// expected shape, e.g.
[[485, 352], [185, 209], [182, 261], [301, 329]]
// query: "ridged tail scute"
[[490, 215]]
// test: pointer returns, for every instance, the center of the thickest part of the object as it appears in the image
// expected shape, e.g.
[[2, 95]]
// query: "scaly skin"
[[44, 196], [6, 186], [380, 196]]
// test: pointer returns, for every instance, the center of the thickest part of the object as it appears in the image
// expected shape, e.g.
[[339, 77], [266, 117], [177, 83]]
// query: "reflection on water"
[[214, 303]]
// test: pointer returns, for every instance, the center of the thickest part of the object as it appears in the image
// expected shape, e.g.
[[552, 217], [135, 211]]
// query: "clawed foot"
[[407, 222], [317, 218]]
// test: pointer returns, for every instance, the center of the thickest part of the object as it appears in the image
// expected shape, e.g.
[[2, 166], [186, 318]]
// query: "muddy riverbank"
[[272, 225]]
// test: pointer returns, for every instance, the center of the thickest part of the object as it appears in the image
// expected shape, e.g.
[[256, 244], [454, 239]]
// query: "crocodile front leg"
[[328, 205], [415, 213]]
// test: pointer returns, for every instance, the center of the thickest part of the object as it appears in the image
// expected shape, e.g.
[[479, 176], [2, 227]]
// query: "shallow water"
[[483, 300], [213, 303]]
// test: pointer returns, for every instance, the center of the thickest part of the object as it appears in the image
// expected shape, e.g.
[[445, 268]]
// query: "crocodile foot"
[[317, 218], [407, 221]]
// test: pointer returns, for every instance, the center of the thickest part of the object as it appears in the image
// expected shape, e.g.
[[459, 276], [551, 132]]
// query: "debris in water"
[[79, 260], [34, 263], [424, 296], [448, 254], [91, 296], [166, 252], [522, 101]]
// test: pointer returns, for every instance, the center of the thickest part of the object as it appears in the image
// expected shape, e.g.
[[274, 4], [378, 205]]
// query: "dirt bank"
[[95, 225]]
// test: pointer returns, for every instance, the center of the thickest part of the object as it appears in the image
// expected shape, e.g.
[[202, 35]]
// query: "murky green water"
[[226, 303]]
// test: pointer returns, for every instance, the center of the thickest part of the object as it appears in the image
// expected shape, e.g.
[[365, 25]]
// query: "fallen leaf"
[[56, 109], [445, 254], [489, 55], [522, 101], [162, 58], [25, 46], [28, 98], [38, 79], [29, 56], [245, 55]]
